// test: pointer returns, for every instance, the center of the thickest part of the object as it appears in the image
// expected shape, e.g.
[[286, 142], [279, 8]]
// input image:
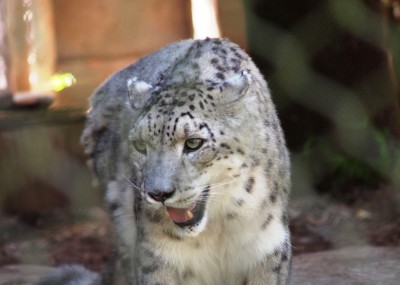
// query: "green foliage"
[[337, 171]]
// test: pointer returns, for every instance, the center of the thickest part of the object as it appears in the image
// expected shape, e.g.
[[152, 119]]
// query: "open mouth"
[[184, 217]]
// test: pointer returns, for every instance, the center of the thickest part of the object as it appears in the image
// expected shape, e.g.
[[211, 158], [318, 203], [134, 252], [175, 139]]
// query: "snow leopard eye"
[[193, 144], [140, 146]]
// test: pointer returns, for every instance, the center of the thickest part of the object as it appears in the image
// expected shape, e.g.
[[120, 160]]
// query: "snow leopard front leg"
[[151, 269], [155, 275], [120, 204], [273, 270]]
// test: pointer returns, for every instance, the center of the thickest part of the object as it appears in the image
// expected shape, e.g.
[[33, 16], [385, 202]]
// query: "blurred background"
[[333, 67]]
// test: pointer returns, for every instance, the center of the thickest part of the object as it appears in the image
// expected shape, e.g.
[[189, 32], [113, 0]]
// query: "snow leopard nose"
[[161, 196]]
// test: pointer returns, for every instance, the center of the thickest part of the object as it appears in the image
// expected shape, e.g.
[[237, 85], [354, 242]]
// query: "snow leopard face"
[[186, 156]]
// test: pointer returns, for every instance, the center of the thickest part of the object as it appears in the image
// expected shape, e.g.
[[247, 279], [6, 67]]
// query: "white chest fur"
[[223, 254], [227, 249]]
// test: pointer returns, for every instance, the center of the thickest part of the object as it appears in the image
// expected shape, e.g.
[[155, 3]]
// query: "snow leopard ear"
[[139, 92], [235, 87]]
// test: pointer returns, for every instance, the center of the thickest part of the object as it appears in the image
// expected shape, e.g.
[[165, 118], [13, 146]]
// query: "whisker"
[[214, 195], [213, 186], [131, 183]]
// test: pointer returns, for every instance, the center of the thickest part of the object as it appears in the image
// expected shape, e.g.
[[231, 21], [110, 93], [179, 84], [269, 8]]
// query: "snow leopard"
[[187, 145]]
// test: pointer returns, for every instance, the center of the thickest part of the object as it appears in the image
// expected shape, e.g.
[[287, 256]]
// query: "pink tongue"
[[178, 215]]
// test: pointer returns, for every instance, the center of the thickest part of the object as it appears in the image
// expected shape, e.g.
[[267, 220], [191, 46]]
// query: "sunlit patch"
[[204, 18], [61, 81]]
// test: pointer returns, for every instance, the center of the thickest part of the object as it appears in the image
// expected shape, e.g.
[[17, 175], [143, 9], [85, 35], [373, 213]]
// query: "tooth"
[[189, 215]]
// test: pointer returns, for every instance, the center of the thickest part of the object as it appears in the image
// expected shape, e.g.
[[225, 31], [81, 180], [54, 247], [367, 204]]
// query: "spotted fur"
[[236, 177]]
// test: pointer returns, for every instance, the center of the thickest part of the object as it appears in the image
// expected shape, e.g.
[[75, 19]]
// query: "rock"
[[353, 265], [22, 274]]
